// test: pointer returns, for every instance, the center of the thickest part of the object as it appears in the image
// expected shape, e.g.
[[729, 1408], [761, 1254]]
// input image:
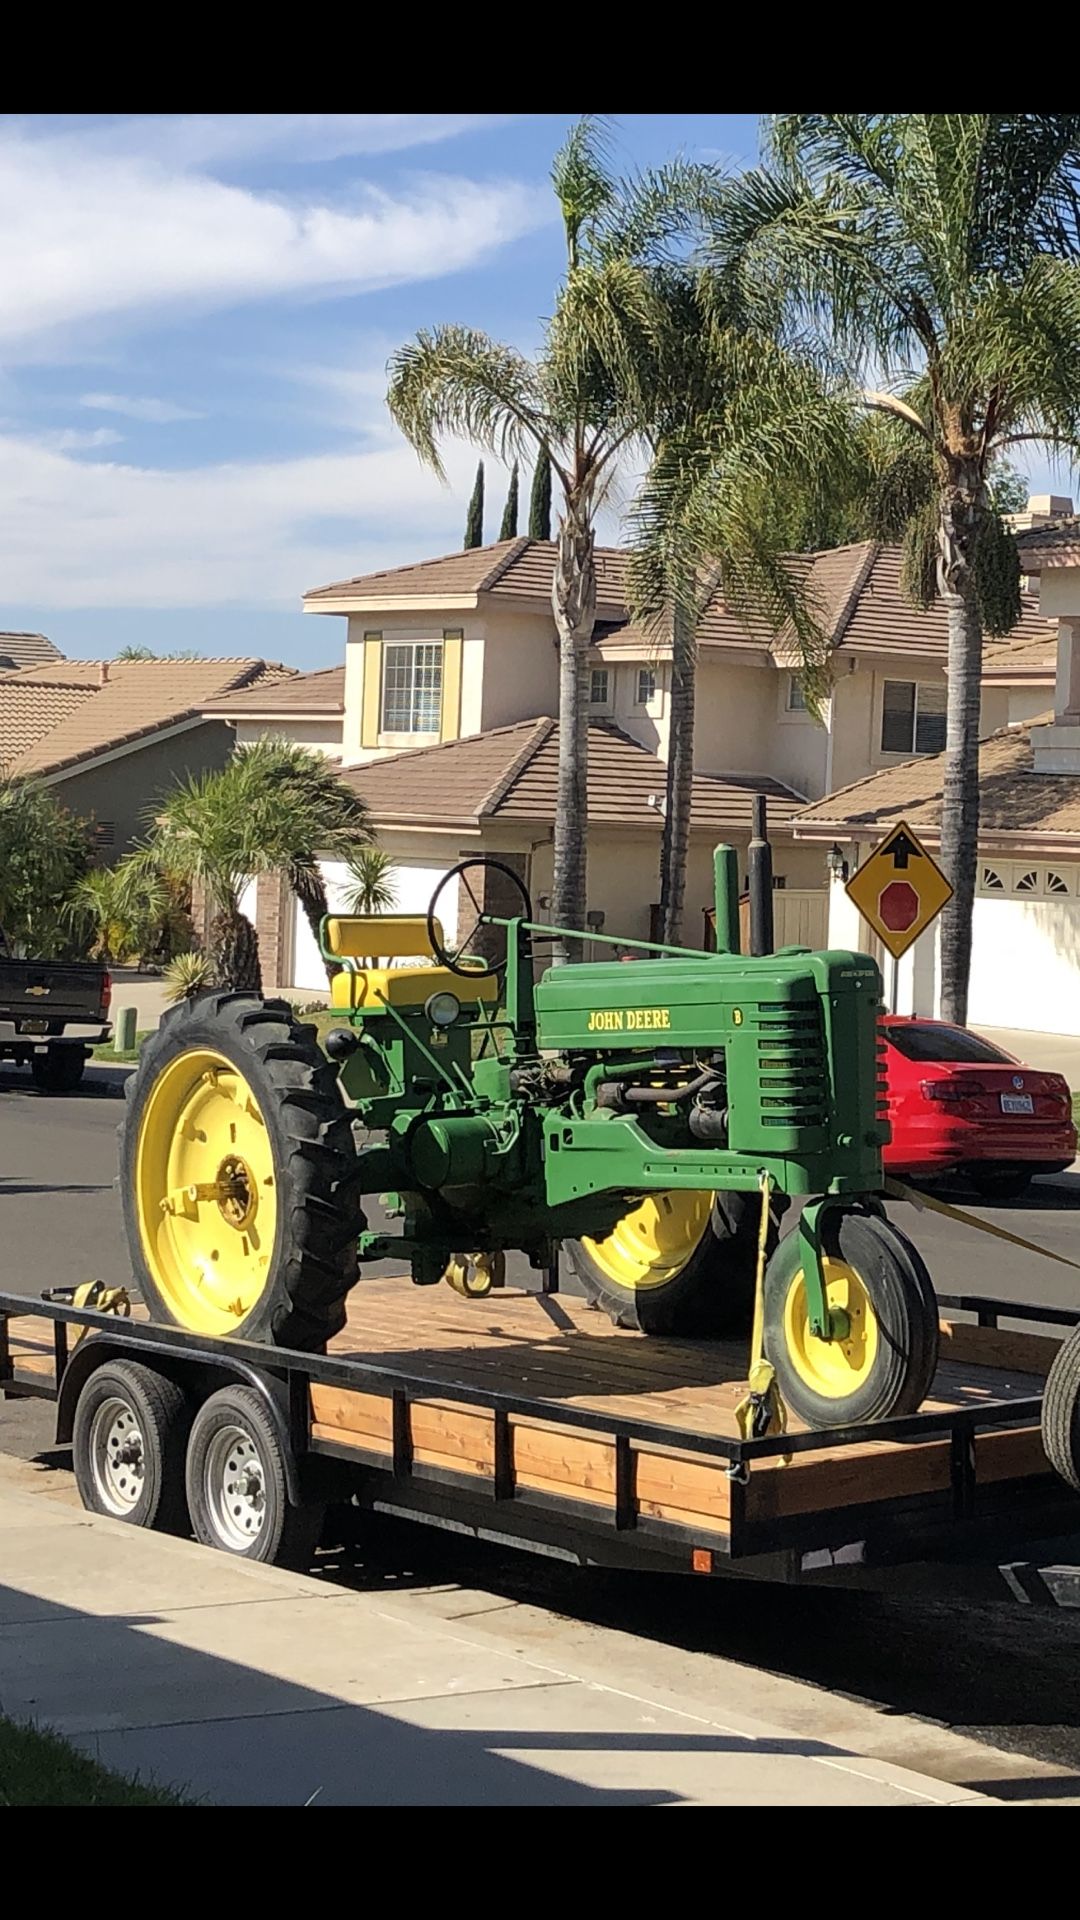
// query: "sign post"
[[899, 890]]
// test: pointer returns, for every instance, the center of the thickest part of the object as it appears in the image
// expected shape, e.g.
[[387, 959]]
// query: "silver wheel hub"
[[117, 1456], [235, 1488]]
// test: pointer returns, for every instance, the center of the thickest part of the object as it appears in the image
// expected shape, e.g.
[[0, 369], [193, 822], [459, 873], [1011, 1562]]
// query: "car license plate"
[[1017, 1103], [35, 1026]]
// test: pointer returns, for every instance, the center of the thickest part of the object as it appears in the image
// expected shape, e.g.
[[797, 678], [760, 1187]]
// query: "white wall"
[[415, 883], [322, 735]]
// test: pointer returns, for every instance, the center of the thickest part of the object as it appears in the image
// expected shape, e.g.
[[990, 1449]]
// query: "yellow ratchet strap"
[[762, 1410], [103, 1300], [899, 1190]]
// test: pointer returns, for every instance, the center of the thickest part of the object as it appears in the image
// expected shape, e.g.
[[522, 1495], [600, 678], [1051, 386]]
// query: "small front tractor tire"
[[235, 1148], [884, 1364], [681, 1264]]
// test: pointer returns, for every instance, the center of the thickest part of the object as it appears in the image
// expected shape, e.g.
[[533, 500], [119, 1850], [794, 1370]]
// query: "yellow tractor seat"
[[370, 987], [358, 938]]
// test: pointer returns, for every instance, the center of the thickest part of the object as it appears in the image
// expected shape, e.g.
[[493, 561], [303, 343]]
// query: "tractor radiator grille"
[[881, 1081], [792, 1070]]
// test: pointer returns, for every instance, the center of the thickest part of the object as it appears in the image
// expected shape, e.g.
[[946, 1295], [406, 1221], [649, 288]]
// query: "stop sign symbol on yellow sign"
[[899, 890]]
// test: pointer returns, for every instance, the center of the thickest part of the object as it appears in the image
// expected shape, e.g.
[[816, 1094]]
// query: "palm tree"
[[936, 254], [374, 875], [202, 833], [739, 421], [301, 809], [126, 905], [584, 402]]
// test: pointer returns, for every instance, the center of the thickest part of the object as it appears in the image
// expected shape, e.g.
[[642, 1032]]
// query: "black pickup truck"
[[51, 1013]]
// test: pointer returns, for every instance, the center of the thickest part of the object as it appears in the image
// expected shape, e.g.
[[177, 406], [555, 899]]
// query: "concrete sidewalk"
[[243, 1685]]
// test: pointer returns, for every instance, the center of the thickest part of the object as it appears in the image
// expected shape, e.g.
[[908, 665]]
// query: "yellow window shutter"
[[453, 646], [369, 719]]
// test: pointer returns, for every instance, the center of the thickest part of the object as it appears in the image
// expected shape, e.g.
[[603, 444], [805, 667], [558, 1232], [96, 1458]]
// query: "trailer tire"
[[128, 1443], [237, 1488], [234, 1152], [1061, 1411], [885, 1368], [710, 1292]]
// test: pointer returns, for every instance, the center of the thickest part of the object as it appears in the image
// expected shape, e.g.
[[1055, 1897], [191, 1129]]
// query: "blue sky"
[[195, 316]]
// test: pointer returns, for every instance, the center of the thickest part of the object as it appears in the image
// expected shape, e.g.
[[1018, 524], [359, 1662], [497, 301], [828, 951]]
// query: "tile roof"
[[519, 569], [1014, 801], [29, 711], [855, 589], [1057, 544], [1018, 655], [509, 773], [138, 698], [24, 649], [322, 692]]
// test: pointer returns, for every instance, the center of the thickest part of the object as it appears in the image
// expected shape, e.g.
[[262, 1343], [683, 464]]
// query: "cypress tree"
[[540, 499], [508, 530], [474, 524]]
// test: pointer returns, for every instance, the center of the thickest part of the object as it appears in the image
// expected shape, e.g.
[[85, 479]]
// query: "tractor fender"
[[180, 1366]]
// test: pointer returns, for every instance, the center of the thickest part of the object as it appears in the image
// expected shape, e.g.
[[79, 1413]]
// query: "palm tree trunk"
[[234, 952], [310, 890], [960, 797], [675, 846], [573, 600]]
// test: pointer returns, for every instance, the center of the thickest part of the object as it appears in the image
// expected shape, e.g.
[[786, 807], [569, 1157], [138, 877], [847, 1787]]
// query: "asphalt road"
[[1008, 1675]]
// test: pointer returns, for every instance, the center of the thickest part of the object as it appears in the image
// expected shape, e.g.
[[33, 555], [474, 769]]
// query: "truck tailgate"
[[41, 990]]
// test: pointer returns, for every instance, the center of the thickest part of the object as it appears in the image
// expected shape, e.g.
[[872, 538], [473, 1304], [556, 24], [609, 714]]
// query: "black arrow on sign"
[[901, 850]]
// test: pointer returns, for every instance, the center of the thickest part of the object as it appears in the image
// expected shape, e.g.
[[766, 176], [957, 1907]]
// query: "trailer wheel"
[[677, 1263], [234, 1148], [884, 1364], [236, 1484], [1061, 1411], [128, 1446]]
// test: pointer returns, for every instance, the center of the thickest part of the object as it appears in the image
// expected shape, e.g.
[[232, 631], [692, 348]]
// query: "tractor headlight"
[[442, 1009]]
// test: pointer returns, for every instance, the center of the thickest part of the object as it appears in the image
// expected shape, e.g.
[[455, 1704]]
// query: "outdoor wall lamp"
[[836, 863]]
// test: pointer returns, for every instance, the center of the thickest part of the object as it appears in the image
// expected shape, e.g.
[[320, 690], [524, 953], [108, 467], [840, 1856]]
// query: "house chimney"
[[103, 673]]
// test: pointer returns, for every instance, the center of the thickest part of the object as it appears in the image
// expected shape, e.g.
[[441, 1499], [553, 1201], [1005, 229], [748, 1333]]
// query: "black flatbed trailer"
[[527, 1420]]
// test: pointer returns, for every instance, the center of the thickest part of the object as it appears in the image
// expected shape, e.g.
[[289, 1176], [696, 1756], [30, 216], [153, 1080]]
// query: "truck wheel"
[[884, 1364], [236, 1486], [128, 1446], [677, 1263], [234, 1146], [58, 1069], [1061, 1411]]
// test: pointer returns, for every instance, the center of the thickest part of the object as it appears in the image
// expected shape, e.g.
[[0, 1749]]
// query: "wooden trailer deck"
[[559, 1355]]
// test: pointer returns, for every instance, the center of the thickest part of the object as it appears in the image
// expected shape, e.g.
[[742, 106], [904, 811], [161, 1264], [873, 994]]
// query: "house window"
[[991, 881], [646, 686], [796, 699], [1027, 882], [412, 688], [913, 717], [598, 687]]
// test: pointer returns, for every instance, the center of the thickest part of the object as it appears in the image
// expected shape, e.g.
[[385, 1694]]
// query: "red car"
[[959, 1104]]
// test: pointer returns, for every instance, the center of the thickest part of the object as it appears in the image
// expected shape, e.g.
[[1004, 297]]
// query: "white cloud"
[[136, 407], [81, 439], [88, 236], [75, 533], [215, 139]]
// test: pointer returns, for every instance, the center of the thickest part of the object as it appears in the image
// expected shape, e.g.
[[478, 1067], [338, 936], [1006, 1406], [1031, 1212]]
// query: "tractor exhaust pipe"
[[759, 868]]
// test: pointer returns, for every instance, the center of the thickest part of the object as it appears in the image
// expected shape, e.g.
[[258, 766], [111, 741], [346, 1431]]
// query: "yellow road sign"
[[900, 890]]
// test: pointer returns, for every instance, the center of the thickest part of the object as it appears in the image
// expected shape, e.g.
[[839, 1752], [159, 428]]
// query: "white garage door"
[[1025, 959], [414, 886]]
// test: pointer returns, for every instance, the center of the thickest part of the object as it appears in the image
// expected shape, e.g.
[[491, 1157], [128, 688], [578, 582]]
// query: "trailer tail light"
[[106, 993]]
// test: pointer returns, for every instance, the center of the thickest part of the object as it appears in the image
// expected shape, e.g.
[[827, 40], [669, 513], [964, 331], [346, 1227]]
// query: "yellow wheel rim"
[[832, 1368], [654, 1241], [206, 1192]]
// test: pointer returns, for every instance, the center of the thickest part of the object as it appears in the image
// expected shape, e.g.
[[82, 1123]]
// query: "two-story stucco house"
[[445, 718]]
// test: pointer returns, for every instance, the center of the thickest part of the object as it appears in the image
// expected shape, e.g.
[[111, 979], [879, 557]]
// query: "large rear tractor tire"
[[234, 1148], [1061, 1411], [678, 1263], [883, 1364]]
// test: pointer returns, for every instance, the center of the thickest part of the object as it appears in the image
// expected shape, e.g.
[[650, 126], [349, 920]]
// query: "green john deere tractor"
[[651, 1119]]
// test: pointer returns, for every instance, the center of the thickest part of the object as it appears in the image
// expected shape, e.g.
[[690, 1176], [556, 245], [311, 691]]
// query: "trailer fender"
[[91, 1354]]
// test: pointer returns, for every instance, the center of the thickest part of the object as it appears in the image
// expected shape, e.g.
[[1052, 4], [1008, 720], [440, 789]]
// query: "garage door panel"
[[1025, 964]]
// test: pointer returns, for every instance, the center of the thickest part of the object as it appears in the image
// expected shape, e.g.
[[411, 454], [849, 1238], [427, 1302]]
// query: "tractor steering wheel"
[[457, 959]]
